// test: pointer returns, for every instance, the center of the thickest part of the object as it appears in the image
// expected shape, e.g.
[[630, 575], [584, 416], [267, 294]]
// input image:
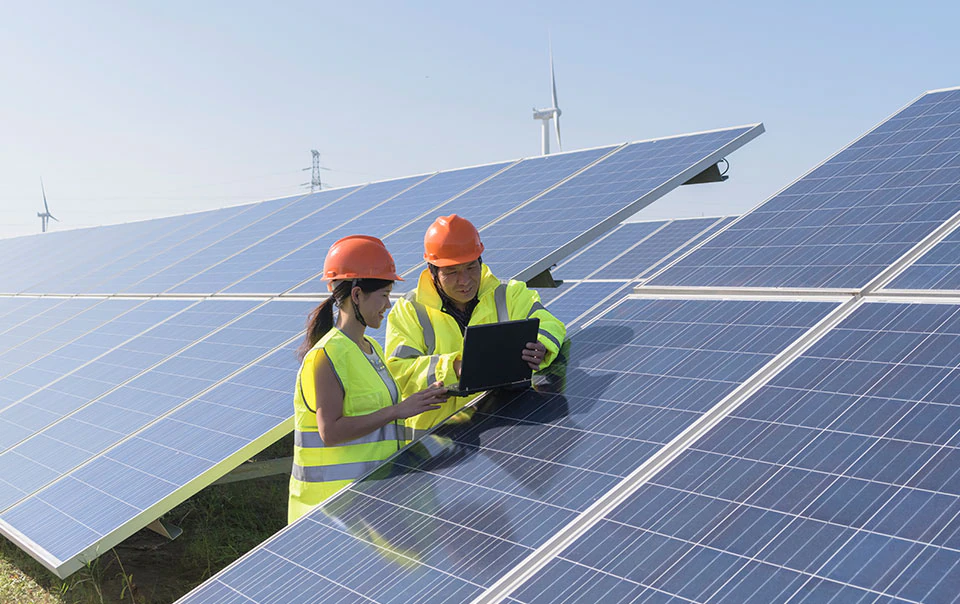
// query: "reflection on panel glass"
[[838, 481], [465, 504]]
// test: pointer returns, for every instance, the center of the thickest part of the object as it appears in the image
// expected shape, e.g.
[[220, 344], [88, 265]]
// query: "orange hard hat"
[[451, 240], [359, 257]]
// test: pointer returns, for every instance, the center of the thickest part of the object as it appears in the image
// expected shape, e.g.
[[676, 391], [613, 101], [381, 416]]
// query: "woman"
[[348, 413]]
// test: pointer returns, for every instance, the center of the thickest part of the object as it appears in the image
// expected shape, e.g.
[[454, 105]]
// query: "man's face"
[[461, 281]]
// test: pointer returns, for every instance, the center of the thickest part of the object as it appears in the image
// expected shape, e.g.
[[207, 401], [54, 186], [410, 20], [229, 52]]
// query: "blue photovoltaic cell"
[[481, 205], [92, 473], [837, 481], [843, 223], [52, 255], [938, 269], [611, 245], [117, 278], [572, 299], [50, 315], [317, 221], [10, 309], [720, 225], [107, 357], [604, 194], [185, 268], [650, 252], [45, 339], [457, 509], [288, 271], [99, 277], [85, 276]]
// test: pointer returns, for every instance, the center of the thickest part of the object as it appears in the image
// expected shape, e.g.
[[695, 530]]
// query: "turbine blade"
[[553, 81], [556, 126], [54, 217], [45, 208]]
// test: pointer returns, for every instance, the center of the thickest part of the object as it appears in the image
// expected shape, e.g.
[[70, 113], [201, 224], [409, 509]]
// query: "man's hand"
[[534, 354]]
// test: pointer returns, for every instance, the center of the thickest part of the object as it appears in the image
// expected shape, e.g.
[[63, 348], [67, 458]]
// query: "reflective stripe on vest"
[[342, 471], [307, 439], [430, 337], [549, 336], [500, 298]]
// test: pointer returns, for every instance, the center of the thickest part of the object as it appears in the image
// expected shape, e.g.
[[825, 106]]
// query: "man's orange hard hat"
[[451, 240]]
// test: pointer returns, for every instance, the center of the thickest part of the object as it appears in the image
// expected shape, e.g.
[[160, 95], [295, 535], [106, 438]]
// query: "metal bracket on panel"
[[167, 529], [544, 279], [711, 174], [257, 469]]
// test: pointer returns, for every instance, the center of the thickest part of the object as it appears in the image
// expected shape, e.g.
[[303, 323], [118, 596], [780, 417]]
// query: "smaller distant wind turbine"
[[553, 113], [45, 216]]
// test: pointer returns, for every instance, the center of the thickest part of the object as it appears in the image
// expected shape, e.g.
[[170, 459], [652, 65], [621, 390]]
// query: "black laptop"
[[491, 356]]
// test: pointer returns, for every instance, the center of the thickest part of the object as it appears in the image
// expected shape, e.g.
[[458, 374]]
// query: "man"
[[425, 328]]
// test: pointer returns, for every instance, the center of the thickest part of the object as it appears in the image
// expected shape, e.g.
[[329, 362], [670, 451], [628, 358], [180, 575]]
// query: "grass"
[[220, 523]]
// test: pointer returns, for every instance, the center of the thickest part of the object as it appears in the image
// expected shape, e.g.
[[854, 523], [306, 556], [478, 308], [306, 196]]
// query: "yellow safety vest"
[[424, 341], [320, 471]]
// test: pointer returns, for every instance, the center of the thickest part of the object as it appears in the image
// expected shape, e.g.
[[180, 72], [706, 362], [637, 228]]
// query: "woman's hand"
[[534, 354], [423, 401]]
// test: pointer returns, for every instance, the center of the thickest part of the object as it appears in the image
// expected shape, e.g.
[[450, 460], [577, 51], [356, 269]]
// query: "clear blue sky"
[[137, 110]]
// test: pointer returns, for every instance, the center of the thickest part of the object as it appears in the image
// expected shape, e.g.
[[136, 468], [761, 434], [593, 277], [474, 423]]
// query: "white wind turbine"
[[45, 216], [553, 113]]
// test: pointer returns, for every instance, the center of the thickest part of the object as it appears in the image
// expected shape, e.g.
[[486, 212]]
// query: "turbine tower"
[[545, 115], [45, 216]]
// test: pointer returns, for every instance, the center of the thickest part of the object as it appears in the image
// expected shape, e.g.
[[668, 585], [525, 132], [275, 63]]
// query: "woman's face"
[[460, 282], [373, 306]]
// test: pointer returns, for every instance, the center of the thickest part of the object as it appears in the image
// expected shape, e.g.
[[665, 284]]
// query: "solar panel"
[[558, 223], [47, 258], [84, 473], [589, 259], [306, 250], [848, 219], [52, 314], [837, 481], [193, 267], [572, 299], [639, 259], [451, 514], [482, 204], [39, 341], [113, 409], [94, 272], [935, 270], [125, 271]]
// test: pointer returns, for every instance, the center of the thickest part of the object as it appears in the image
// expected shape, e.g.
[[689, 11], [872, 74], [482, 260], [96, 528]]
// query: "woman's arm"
[[336, 429]]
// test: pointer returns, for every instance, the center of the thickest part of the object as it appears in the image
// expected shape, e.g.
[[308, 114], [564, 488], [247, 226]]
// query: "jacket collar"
[[428, 295]]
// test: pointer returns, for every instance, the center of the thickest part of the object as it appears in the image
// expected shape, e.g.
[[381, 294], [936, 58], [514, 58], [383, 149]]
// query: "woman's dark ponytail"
[[320, 321]]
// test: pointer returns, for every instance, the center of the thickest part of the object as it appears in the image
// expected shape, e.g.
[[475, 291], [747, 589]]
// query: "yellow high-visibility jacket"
[[320, 471], [424, 341]]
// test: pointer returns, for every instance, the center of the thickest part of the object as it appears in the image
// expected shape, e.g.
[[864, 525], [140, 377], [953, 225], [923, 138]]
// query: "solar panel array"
[[117, 405], [714, 437], [447, 518], [848, 219]]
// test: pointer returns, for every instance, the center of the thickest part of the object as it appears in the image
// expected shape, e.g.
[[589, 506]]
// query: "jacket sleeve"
[[524, 303], [412, 365]]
